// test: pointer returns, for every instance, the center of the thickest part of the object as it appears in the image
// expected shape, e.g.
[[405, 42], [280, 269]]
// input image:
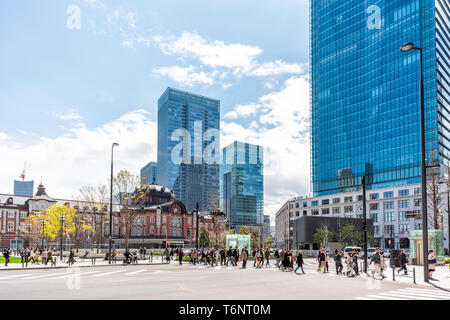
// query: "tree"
[[124, 185], [434, 192], [347, 235], [204, 239], [322, 237]]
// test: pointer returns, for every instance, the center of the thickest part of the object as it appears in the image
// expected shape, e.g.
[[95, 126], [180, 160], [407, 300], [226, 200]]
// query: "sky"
[[78, 75]]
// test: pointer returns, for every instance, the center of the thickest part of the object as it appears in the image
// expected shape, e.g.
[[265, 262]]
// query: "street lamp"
[[110, 202], [406, 48], [43, 232], [197, 227], [61, 218]]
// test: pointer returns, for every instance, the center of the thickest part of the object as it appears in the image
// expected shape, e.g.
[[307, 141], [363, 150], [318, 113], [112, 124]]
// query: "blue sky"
[[68, 92]]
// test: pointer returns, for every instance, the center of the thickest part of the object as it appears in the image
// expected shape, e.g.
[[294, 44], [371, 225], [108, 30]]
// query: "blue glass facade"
[[23, 188], [188, 129], [365, 98], [148, 173], [242, 184]]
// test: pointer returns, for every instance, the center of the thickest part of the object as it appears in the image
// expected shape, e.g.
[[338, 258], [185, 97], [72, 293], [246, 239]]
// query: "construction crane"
[[25, 169]]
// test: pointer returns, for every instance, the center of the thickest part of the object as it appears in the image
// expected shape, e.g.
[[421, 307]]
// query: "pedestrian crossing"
[[409, 294]]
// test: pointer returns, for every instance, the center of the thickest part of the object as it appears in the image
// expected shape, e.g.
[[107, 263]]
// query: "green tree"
[[204, 239], [347, 235], [245, 230], [322, 236]]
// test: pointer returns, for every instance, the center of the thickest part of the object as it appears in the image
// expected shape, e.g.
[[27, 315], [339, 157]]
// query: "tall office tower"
[[148, 173], [23, 188], [365, 97], [242, 184], [188, 147]]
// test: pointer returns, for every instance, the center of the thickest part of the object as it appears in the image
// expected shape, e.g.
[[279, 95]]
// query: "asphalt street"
[[202, 283]]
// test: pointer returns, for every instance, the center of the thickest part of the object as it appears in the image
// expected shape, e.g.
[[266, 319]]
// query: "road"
[[201, 283]]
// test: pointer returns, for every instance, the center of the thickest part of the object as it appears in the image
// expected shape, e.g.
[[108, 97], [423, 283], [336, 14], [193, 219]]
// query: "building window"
[[305, 213], [188, 232], [404, 227], [152, 219], [348, 199], [325, 201], [23, 215], [402, 216], [164, 219], [388, 216], [189, 220], [376, 229], [374, 206], [359, 197], [305, 204], [315, 203], [152, 230], [336, 209], [388, 194], [336, 200], [417, 202], [403, 203], [10, 226], [374, 196], [359, 216], [375, 217], [325, 210], [389, 229], [403, 193], [297, 213], [297, 205], [416, 191], [315, 212], [348, 209], [388, 205], [10, 214]]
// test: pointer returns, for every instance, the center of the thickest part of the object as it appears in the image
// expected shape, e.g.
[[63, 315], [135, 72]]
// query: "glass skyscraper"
[[148, 173], [188, 136], [23, 188], [242, 184], [365, 97]]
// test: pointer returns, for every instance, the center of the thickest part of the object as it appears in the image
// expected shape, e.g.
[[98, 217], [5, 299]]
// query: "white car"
[[386, 253], [371, 252], [358, 250]]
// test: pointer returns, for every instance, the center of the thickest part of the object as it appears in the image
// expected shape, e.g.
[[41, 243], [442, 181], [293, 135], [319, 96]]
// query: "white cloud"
[[242, 111], [3, 136], [82, 157], [214, 54], [128, 44], [71, 116], [276, 67], [185, 75], [281, 127], [131, 18]]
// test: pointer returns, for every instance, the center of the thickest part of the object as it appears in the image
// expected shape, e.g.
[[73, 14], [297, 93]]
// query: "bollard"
[[393, 274], [414, 275]]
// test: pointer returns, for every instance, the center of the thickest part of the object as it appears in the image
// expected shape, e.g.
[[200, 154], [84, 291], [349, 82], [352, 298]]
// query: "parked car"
[[387, 253], [359, 250], [370, 252]]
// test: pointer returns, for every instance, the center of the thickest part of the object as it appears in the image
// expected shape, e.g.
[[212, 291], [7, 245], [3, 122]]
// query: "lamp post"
[[61, 219], [197, 227], [364, 223], [43, 232], [110, 202], [406, 48]]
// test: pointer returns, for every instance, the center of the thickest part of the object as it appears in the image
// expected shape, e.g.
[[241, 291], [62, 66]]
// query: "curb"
[[83, 266]]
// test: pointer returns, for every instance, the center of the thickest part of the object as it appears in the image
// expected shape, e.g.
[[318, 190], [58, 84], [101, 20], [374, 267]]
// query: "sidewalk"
[[78, 263]]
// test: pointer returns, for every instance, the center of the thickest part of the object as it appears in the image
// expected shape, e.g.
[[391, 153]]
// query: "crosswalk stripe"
[[381, 296], [431, 295], [406, 296], [106, 273], [41, 276], [17, 275], [67, 275], [364, 298], [134, 272], [431, 292]]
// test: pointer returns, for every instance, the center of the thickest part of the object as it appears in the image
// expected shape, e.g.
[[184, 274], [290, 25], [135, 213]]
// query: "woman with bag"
[[431, 263]]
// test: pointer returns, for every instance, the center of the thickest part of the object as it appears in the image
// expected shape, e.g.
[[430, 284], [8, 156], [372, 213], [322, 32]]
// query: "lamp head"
[[407, 47], [115, 144]]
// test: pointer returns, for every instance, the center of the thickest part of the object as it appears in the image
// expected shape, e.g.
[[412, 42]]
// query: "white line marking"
[[383, 297], [42, 276], [106, 273], [134, 272], [18, 275]]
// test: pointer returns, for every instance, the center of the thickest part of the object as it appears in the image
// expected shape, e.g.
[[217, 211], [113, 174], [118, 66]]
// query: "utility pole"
[[197, 227]]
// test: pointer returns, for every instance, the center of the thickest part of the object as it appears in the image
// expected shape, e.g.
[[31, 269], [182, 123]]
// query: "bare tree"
[[434, 192]]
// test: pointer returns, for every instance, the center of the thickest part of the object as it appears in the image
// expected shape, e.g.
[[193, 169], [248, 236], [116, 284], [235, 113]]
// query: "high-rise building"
[[188, 147], [148, 173], [242, 184], [365, 98], [23, 188]]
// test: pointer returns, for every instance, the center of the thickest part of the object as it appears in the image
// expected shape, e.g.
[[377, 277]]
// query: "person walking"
[[36, 256], [277, 258], [254, 257], [236, 256], [322, 261], [403, 262], [44, 256], [222, 256], [6, 255], [180, 256], [431, 264], [338, 261], [51, 259], [194, 256], [244, 256], [267, 254], [350, 265], [327, 259], [378, 263], [229, 256], [299, 262], [71, 259]]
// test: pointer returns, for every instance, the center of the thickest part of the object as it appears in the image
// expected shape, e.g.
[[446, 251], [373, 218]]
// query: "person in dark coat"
[[299, 262], [6, 254], [403, 262]]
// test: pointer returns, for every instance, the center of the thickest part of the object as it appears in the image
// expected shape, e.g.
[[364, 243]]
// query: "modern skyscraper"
[[242, 184], [23, 188], [148, 173], [365, 97], [188, 147]]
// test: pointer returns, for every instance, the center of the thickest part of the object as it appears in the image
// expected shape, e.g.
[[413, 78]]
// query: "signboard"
[[238, 240]]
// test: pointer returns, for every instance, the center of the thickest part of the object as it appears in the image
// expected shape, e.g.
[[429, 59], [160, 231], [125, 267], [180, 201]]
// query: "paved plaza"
[[203, 283]]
